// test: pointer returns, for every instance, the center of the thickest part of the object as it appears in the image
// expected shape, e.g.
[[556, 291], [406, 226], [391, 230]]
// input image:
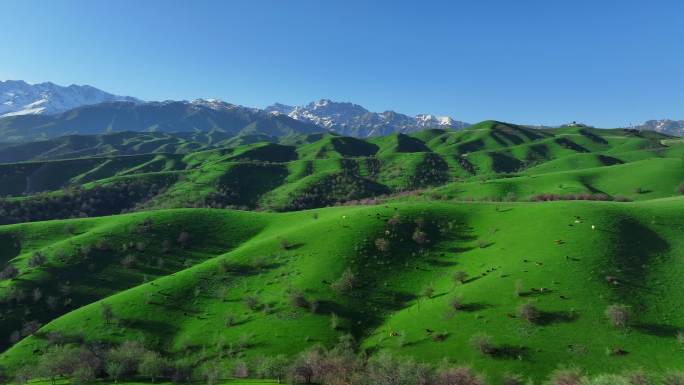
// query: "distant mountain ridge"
[[166, 117], [352, 119], [20, 98], [664, 126]]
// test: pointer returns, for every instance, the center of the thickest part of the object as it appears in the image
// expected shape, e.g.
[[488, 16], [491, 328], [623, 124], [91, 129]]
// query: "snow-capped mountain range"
[[351, 119], [20, 98], [665, 126]]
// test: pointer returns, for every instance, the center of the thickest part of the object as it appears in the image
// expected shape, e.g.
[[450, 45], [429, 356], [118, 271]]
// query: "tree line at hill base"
[[82, 362]]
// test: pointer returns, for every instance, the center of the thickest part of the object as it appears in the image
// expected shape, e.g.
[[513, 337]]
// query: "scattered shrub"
[[428, 291], [184, 239], [251, 301], [297, 299], [482, 343], [272, 367], [459, 376], [606, 379], [460, 277], [9, 272], [346, 283], [673, 378], [618, 315], [107, 312], [512, 379], [334, 321], [36, 260], [455, 303], [382, 244], [529, 313], [229, 319], [419, 236], [518, 288], [152, 366], [680, 188], [565, 377]]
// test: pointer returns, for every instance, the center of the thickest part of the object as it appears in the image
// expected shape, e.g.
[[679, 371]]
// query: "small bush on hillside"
[[211, 373], [240, 369], [428, 291], [297, 299], [285, 244], [674, 378], [455, 303], [313, 306], [184, 239], [394, 221], [482, 343], [307, 367], [152, 366], [382, 244], [459, 376], [638, 377], [334, 321], [251, 301], [512, 379], [386, 369], [346, 283], [124, 360], [181, 373], [36, 294], [229, 319], [36, 260], [618, 315], [680, 338], [107, 312], [272, 367], [128, 261], [680, 188], [518, 288], [115, 370], [83, 376], [606, 379], [460, 277], [565, 377], [529, 313], [419, 236], [9, 272]]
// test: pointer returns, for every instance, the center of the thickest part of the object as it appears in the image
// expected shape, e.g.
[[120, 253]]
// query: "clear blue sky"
[[603, 62]]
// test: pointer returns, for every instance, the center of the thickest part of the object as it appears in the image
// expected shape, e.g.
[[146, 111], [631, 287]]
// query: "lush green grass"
[[175, 276], [567, 160], [236, 255]]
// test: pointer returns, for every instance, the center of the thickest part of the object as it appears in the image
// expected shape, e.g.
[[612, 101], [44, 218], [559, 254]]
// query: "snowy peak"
[[352, 119], [20, 98], [665, 126]]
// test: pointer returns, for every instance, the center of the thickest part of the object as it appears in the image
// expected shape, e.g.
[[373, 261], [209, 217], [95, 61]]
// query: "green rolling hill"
[[227, 252]]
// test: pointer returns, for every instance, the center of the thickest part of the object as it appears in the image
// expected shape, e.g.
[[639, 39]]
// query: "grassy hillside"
[[200, 284], [487, 161]]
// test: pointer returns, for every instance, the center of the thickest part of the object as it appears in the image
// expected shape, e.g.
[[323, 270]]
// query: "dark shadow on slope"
[[570, 145], [553, 317], [593, 137], [659, 330], [474, 306], [608, 160], [635, 249], [503, 162], [511, 352]]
